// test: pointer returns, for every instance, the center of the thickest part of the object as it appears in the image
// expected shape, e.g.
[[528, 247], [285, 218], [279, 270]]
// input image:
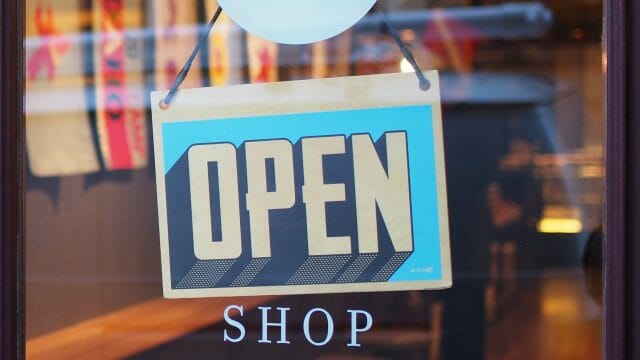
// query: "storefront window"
[[522, 111]]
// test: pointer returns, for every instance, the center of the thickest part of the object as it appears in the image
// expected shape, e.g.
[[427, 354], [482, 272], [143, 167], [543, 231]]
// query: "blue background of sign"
[[425, 262]]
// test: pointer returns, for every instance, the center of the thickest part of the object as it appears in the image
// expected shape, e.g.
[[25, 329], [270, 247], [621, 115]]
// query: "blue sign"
[[350, 199]]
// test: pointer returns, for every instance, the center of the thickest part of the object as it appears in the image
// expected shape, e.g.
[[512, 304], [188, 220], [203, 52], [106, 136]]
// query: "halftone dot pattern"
[[357, 267], [250, 272], [391, 267], [205, 274], [318, 269]]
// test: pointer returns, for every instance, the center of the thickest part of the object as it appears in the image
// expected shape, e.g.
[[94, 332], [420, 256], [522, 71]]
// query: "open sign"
[[270, 179], [284, 196]]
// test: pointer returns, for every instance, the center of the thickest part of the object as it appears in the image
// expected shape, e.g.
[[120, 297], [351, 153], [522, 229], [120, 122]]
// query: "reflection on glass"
[[522, 111]]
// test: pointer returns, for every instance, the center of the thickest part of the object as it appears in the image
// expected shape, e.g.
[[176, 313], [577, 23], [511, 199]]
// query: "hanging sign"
[[332, 185]]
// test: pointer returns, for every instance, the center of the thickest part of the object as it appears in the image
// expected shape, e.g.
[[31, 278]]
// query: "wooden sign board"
[[315, 186]]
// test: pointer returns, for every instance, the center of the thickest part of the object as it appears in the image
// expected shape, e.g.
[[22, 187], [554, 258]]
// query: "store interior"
[[522, 111]]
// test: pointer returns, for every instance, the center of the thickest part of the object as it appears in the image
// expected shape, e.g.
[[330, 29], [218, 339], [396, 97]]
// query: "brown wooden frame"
[[11, 179], [622, 221], [622, 225]]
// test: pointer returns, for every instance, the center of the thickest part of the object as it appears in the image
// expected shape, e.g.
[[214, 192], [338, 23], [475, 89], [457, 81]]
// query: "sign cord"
[[166, 102], [424, 83]]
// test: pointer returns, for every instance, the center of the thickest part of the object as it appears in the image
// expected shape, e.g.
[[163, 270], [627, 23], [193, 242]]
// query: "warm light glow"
[[405, 66], [559, 226], [560, 306], [591, 171]]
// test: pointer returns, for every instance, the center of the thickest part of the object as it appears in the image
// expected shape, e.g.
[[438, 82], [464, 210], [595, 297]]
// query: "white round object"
[[296, 21]]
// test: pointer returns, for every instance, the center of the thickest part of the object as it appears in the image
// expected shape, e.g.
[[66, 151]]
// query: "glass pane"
[[523, 133]]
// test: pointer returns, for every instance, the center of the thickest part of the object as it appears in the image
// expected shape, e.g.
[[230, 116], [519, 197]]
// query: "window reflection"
[[522, 112]]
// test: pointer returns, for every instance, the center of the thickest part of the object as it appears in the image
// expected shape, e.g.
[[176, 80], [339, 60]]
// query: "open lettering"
[[380, 191]]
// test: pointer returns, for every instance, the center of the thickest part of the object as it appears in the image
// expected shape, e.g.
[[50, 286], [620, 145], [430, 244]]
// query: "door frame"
[[622, 159], [12, 166]]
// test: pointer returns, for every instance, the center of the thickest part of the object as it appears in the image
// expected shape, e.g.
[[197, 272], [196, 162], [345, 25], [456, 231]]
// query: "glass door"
[[523, 116]]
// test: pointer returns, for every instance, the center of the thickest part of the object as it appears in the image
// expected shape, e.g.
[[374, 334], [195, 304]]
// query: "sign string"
[[424, 83], [166, 102]]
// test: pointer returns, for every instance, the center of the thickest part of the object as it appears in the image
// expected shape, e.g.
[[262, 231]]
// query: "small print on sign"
[[316, 186]]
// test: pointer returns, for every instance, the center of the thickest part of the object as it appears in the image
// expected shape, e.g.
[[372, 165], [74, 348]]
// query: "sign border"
[[294, 97]]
